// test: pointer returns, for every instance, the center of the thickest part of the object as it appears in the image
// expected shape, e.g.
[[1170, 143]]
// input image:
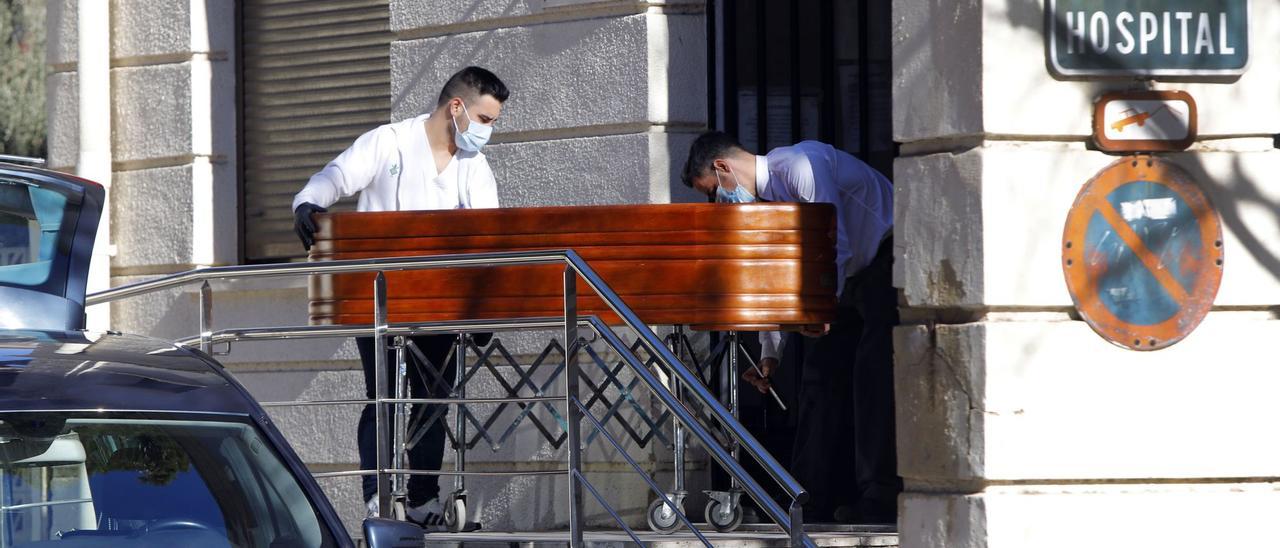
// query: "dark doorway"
[[824, 71], [823, 68]]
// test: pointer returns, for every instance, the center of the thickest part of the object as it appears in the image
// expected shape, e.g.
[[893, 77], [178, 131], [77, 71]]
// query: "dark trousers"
[[428, 453], [845, 450]]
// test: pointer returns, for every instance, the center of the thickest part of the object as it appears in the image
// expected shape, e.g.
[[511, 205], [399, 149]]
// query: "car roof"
[[78, 370]]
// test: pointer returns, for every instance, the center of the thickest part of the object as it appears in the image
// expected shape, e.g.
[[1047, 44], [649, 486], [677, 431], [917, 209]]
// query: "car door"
[[48, 222]]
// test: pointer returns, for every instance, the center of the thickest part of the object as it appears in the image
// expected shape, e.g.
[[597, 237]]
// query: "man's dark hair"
[[471, 83], [707, 148]]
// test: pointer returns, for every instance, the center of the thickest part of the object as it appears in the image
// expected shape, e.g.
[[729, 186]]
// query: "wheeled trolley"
[[723, 510]]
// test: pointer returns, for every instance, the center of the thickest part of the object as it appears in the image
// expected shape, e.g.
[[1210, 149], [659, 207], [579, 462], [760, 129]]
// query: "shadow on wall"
[[430, 66], [681, 47], [1230, 191], [1231, 194], [481, 48]]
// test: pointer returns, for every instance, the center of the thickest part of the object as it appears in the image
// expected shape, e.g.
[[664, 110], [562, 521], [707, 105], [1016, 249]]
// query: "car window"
[[68, 481], [30, 219]]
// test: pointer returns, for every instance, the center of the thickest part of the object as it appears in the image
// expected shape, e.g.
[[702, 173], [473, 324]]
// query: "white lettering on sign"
[[1101, 32], [1123, 20], [1223, 48], [1204, 39], [1156, 209], [1146, 120], [1184, 17], [1149, 31], [1076, 32]]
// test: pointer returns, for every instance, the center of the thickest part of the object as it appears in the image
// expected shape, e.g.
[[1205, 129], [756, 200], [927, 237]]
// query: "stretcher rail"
[[789, 519]]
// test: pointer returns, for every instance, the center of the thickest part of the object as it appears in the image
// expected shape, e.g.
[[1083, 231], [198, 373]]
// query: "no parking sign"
[[1142, 253]]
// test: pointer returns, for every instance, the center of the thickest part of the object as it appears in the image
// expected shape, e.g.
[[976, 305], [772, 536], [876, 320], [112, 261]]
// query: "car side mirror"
[[389, 533]]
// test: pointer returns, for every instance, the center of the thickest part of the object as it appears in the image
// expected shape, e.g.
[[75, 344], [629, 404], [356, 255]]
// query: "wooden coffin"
[[710, 266]]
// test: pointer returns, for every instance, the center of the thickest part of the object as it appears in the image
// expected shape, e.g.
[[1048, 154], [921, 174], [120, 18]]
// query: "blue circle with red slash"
[[1142, 253], [1167, 228]]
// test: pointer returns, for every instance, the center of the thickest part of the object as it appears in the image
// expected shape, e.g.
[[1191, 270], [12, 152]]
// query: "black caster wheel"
[[662, 517], [722, 517]]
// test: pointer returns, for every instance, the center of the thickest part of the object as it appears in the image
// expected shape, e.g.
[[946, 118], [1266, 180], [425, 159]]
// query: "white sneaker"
[[371, 507], [430, 513]]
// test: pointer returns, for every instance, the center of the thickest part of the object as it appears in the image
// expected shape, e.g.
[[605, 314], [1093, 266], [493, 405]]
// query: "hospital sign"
[[1148, 37]]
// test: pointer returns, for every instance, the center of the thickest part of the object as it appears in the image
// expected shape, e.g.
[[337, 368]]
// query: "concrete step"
[[747, 537]]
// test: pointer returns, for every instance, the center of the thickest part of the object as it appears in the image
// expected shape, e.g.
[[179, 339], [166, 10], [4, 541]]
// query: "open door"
[[48, 222]]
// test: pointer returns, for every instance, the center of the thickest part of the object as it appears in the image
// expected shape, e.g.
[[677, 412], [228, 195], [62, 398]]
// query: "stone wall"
[[1017, 425], [606, 97], [173, 130]]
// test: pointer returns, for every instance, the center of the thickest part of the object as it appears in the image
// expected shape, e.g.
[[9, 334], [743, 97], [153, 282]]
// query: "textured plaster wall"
[[603, 103], [607, 96], [1016, 423], [173, 128], [605, 99]]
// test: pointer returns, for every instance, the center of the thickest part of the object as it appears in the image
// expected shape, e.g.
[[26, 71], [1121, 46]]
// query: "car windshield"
[[69, 480]]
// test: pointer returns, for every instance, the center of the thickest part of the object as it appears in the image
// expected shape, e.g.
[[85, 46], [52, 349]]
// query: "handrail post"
[[681, 441], [206, 318], [574, 414], [734, 348], [797, 524], [459, 422], [399, 484], [653, 345], [380, 392]]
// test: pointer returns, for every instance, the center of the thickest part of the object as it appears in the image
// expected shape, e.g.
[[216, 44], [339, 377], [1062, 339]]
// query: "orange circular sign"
[[1142, 253]]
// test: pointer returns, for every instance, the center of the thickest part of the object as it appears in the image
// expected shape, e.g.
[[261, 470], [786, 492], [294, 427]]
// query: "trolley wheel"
[[398, 510], [722, 517], [455, 514], [663, 518]]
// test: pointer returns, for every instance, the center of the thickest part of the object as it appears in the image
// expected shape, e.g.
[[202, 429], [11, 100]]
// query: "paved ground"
[[766, 537]]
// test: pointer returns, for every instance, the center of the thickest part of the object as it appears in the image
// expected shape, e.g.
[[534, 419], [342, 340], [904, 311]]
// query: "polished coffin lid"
[[713, 266]]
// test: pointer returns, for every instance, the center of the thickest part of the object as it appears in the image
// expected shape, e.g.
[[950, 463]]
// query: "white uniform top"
[[392, 168], [812, 171]]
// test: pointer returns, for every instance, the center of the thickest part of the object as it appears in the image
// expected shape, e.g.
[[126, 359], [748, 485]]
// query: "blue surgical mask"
[[474, 137], [739, 194]]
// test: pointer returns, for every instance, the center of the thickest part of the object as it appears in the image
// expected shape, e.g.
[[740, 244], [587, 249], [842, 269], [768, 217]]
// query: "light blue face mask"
[[474, 137], [739, 194]]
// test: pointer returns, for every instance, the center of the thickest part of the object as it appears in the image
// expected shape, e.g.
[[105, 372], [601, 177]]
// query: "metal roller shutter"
[[315, 75]]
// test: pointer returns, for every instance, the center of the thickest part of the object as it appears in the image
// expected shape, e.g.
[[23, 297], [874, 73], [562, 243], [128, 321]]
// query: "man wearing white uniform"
[[844, 450], [432, 161]]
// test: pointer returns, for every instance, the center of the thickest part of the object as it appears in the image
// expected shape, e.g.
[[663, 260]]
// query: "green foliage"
[[22, 75], [153, 454]]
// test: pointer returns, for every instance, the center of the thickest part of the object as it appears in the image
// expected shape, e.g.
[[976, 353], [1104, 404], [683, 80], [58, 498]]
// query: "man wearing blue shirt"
[[847, 378]]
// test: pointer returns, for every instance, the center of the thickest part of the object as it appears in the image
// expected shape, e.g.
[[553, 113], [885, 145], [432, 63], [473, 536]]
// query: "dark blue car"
[[109, 439]]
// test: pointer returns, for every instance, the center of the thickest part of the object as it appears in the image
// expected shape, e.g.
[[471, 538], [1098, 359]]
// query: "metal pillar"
[[399, 435], [680, 434], [380, 392], [206, 318], [734, 348], [574, 414], [460, 425]]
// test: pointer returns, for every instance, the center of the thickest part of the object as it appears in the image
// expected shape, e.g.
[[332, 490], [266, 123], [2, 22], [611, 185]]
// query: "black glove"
[[304, 225]]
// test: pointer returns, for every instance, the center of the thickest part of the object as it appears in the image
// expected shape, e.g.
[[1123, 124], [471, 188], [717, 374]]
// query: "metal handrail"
[[510, 258], [790, 521], [595, 423], [335, 331]]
